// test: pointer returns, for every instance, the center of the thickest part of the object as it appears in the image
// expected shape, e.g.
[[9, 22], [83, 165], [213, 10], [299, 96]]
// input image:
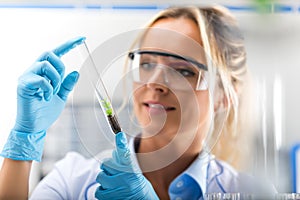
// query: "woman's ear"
[[220, 99], [223, 101]]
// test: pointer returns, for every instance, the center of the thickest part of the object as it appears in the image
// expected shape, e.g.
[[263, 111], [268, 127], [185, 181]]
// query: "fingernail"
[[83, 38], [48, 97], [78, 41], [75, 76]]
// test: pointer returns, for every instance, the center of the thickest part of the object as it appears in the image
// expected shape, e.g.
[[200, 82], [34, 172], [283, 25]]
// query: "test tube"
[[100, 90], [231, 196], [287, 196], [213, 196]]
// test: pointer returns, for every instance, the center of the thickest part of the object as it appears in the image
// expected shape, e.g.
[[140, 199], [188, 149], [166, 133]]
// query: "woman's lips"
[[158, 107]]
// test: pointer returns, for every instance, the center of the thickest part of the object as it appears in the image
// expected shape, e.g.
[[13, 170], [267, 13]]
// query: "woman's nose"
[[159, 80]]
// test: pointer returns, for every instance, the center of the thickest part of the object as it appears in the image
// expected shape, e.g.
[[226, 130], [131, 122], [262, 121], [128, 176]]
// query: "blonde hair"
[[224, 44]]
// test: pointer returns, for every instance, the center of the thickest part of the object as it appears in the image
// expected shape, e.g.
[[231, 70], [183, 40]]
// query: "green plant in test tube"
[[107, 106]]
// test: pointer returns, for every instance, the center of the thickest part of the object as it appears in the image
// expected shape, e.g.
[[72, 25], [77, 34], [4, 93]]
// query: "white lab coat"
[[74, 177]]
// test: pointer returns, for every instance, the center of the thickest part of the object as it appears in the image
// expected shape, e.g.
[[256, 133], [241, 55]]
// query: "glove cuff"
[[24, 146]]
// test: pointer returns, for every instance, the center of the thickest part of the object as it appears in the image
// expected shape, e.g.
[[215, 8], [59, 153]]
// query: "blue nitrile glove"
[[120, 178], [41, 96]]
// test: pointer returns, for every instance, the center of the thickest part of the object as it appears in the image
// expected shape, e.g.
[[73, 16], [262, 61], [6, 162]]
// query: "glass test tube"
[[100, 90], [226, 196], [287, 196]]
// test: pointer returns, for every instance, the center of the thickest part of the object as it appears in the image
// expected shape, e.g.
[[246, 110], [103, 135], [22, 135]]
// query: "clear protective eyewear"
[[174, 71]]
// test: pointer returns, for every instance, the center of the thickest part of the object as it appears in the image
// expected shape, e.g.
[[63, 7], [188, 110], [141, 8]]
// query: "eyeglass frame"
[[167, 54], [161, 53]]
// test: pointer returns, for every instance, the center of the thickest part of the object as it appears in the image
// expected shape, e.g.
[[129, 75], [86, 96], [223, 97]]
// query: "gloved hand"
[[120, 178], [41, 96]]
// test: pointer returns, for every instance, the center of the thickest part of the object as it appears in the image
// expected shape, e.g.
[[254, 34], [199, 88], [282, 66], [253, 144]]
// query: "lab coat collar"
[[197, 170]]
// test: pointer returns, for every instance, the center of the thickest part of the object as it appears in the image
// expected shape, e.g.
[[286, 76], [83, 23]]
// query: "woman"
[[188, 67]]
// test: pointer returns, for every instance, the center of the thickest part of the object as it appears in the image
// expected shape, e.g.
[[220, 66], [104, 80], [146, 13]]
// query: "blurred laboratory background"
[[272, 37]]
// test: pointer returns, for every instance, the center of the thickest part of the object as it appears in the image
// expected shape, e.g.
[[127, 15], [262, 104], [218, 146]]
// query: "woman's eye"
[[186, 72], [147, 65]]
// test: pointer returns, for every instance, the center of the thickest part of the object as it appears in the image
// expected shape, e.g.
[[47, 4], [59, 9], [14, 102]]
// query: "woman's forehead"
[[173, 42]]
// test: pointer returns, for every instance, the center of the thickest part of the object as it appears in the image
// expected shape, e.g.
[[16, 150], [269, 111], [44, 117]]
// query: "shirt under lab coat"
[[74, 177]]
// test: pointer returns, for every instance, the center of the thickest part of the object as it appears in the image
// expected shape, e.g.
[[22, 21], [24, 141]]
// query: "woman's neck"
[[161, 178], [162, 159]]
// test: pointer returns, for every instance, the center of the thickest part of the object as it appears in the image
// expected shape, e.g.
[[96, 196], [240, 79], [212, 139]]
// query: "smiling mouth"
[[158, 106]]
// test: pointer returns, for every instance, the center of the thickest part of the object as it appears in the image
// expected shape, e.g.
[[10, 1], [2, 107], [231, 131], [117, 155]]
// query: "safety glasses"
[[174, 71]]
